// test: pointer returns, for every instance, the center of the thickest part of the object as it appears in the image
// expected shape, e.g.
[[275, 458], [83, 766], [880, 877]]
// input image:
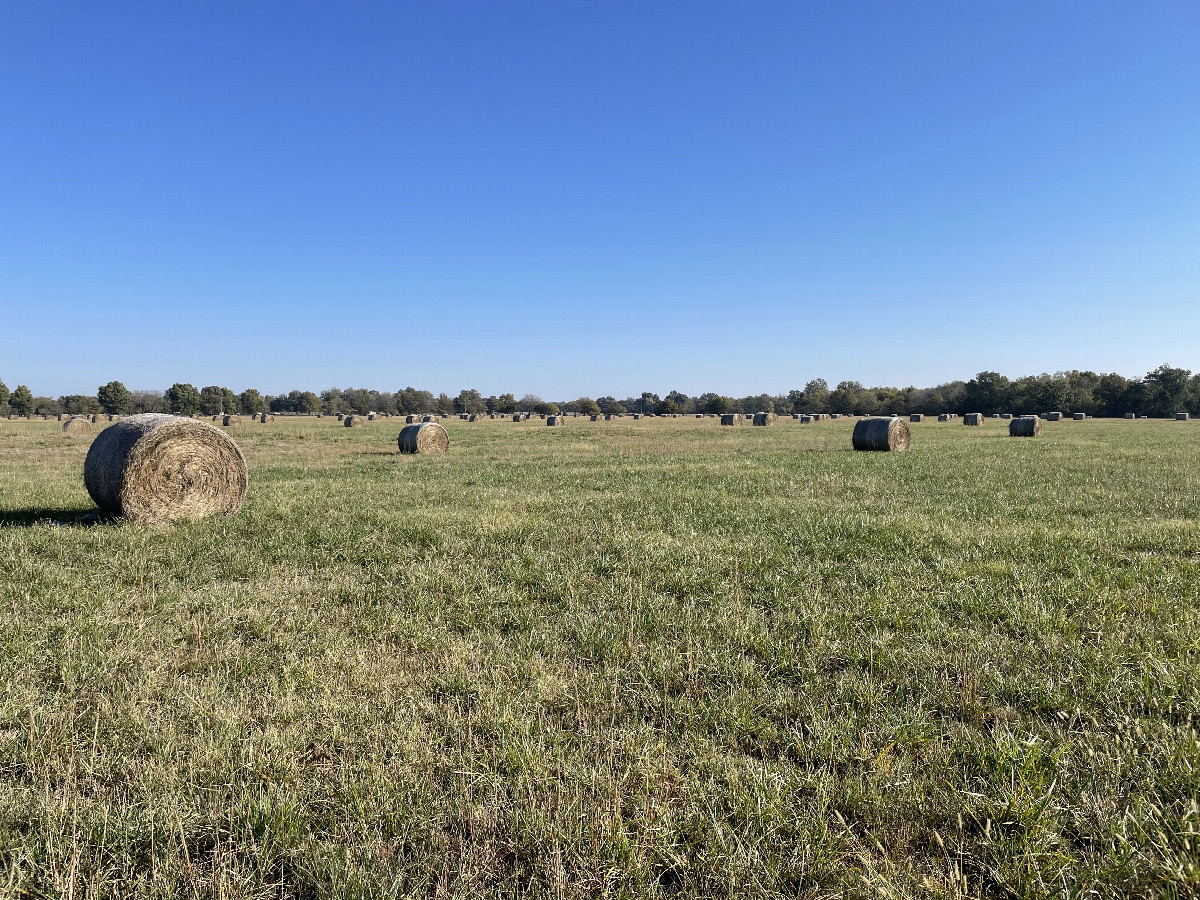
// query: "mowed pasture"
[[629, 659]]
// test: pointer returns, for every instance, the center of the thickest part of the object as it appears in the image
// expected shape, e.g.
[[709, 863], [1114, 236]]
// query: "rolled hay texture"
[[765, 418], [95, 419], [156, 468], [408, 420], [266, 417], [1025, 426], [973, 419], [554, 420], [430, 419], [424, 437], [370, 417], [1181, 417], [881, 433], [806, 420], [1053, 416], [916, 417], [77, 426], [731, 419], [232, 420], [62, 417], [944, 417], [355, 421], [1079, 417]]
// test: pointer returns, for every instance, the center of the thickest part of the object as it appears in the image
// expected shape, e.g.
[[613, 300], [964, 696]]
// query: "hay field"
[[634, 659]]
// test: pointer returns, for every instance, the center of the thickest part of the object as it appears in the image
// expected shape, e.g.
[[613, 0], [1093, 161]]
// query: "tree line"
[[1162, 392]]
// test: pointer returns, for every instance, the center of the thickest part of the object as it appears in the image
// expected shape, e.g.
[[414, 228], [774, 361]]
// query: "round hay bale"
[[765, 418], [423, 437], [835, 415], [266, 417], [973, 419], [408, 420], [917, 417], [370, 417], [881, 433], [355, 421], [1079, 417], [608, 418], [216, 418], [156, 468], [594, 418], [232, 420], [77, 425], [516, 417], [556, 420], [430, 419], [944, 417], [731, 419], [1053, 416], [806, 420], [636, 416], [1181, 417], [62, 417], [1006, 415], [340, 417], [1129, 415], [1025, 426]]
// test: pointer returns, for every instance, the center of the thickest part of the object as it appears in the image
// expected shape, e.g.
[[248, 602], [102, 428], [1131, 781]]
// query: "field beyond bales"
[[655, 658]]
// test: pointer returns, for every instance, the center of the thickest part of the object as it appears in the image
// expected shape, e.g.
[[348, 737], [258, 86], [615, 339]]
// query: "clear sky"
[[603, 197]]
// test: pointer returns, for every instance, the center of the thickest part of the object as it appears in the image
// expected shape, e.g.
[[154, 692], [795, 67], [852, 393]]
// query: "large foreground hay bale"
[[77, 425], [731, 419], [355, 421], [881, 433], [765, 418], [423, 437], [1025, 426], [157, 468], [973, 419]]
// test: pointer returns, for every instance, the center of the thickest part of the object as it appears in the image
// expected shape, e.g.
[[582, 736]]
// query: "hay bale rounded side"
[[973, 419], [730, 419], [423, 437], [1181, 417], [1025, 426], [354, 421], [157, 468], [806, 420], [917, 417], [765, 418], [554, 420], [944, 417], [77, 425], [881, 433], [232, 420], [430, 419]]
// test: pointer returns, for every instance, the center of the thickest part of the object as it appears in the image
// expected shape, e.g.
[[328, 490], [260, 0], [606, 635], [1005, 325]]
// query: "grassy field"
[[656, 658]]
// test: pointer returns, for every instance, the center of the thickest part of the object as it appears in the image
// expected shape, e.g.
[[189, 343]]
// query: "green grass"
[[657, 658]]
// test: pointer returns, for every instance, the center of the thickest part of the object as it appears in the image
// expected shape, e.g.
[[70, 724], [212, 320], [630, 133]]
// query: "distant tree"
[[528, 402], [586, 406], [4, 394], [816, 396], [21, 401], [506, 403], [469, 401], [114, 398], [544, 408], [846, 398], [148, 401], [359, 400], [681, 402], [183, 399], [444, 405], [1193, 402], [1168, 390], [78, 404], [987, 393], [47, 406], [1112, 395], [251, 401], [212, 400]]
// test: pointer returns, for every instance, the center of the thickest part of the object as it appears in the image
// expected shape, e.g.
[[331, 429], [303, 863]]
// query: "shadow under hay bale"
[[156, 468], [881, 433], [1025, 426], [423, 437]]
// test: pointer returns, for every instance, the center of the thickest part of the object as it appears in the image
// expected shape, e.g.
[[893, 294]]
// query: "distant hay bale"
[[266, 417], [1129, 415], [156, 468], [113, 418], [637, 416], [408, 420], [594, 418], [1006, 415], [554, 420], [1079, 417], [62, 417], [434, 419], [916, 417], [423, 437], [355, 421], [1025, 426], [77, 425], [232, 420], [340, 417], [370, 417], [973, 419], [471, 418], [765, 418], [795, 415], [1053, 416], [731, 419], [881, 433], [835, 415], [516, 417], [1181, 417], [806, 420], [944, 417]]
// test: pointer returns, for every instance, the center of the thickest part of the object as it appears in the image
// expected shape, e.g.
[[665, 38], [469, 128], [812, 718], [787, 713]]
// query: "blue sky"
[[598, 198]]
